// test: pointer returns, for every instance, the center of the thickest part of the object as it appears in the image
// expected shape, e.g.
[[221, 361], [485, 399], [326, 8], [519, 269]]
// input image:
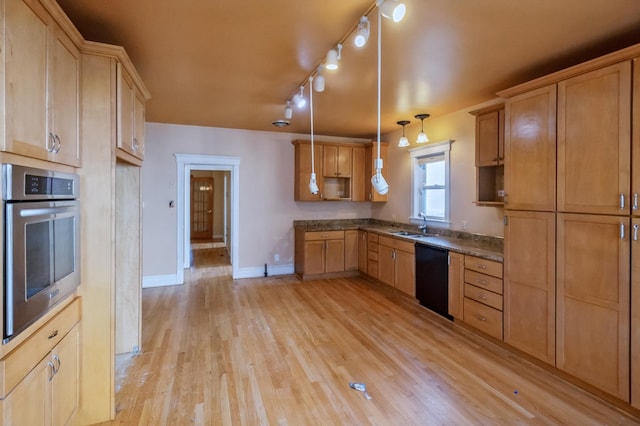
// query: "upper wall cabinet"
[[42, 84], [594, 141], [490, 155], [131, 109]]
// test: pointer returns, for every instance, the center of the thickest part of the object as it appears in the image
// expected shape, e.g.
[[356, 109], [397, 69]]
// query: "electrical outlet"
[[464, 224], [276, 258]]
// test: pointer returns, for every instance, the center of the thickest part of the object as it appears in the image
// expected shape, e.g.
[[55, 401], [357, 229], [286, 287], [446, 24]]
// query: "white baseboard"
[[258, 271], [159, 280]]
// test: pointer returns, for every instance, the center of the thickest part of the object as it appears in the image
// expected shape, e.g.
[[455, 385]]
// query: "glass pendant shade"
[[403, 140], [422, 137]]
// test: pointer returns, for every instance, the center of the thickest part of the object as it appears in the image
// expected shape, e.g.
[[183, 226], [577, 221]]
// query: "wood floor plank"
[[277, 351]]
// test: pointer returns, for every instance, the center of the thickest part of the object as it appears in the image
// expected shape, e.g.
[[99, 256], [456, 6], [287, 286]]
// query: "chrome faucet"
[[423, 227]]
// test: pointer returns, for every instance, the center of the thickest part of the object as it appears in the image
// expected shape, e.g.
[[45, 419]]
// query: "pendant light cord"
[[313, 170], [379, 78]]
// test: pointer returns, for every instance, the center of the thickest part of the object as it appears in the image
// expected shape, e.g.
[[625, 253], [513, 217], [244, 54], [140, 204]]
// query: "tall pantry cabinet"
[[111, 225], [575, 262]]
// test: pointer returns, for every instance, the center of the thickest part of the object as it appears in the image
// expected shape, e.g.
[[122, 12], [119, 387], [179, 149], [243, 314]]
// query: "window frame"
[[435, 149]]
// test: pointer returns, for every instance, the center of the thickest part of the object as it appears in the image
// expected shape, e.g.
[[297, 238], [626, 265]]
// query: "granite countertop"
[[483, 246]]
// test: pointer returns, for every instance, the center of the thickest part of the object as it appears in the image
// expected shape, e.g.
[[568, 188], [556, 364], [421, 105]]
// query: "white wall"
[[459, 126], [267, 209]]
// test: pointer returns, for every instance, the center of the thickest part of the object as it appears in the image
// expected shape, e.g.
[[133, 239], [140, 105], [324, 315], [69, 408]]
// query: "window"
[[430, 170]]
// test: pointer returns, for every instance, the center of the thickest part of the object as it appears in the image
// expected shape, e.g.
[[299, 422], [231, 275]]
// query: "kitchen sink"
[[407, 234]]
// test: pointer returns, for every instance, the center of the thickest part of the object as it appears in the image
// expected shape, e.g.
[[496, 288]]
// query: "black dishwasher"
[[432, 279]]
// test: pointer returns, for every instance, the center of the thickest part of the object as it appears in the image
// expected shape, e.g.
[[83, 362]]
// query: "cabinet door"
[[138, 124], [334, 255], [529, 283], [125, 95], [303, 171], [344, 161], [358, 187], [351, 250], [530, 150], [64, 386], [26, 39], [65, 100], [28, 403], [314, 257], [363, 251], [487, 131], [635, 151], [386, 264], [456, 284], [592, 334], [404, 272], [594, 140], [330, 161], [635, 313]]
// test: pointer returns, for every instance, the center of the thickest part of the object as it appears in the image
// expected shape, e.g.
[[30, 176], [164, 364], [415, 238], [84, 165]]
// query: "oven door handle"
[[43, 211]]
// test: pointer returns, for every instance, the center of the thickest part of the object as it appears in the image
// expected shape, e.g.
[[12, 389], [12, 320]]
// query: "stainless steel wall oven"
[[41, 243]]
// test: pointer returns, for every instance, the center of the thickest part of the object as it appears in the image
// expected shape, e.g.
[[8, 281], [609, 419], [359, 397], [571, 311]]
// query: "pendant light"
[[403, 140], [313, 185], [377, 180], [422, 136]]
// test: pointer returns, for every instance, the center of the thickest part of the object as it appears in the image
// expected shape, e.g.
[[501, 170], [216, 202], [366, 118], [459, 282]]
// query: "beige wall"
[[267, 209], [459, 126]]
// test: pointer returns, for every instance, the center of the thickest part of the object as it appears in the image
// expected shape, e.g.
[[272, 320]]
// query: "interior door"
[[201, 208]]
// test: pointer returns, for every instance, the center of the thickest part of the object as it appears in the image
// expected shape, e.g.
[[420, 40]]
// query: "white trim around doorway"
[[185, 164]]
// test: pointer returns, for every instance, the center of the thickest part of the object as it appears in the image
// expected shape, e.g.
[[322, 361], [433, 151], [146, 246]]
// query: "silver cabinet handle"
[[481, 318], [57, 363], [479, 265], [622, 231], [635, 201], [57, 144], [134, 144], [621, 200], [52, 371], [481, 296], [51, 143], [481, 281], [635, 232]]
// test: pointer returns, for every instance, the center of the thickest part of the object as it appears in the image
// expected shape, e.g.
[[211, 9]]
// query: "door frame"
[[186, 163]]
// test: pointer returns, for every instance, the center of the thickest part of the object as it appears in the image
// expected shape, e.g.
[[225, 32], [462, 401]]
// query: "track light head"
[[362, 33], [333, 56], [392, 9], [318, 81], [288, 111], [299, 99]]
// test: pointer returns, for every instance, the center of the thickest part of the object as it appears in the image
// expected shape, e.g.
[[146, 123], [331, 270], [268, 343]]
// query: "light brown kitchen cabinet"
[[483, 295], [594, 141], [351, 253], [363, 250], [322, 254], [372, 254], [635, 312], [371, 155], [396, 264], [593, 283], [302, 171], [48, 392], [530, 150], [336, 161], [42, 84], [358, 178], [489, 155], [131, 116], [635, 153], [529, 283], [456, 284]]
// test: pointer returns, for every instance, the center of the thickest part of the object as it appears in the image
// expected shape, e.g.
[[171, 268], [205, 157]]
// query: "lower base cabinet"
[[49, 393], [397, 264]]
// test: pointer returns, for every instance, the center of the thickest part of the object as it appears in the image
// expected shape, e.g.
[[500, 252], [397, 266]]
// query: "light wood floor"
[[281, 352]]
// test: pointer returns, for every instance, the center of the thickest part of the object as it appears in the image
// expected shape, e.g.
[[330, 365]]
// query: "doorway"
[[187, 164]]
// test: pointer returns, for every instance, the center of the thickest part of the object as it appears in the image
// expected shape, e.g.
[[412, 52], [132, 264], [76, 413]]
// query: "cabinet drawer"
[[484, 281], [323, 235], [373, 255], [372, 237], [483, 317], [372, 247], [19, 362], [409, 247], [483, 296], [482, 265]]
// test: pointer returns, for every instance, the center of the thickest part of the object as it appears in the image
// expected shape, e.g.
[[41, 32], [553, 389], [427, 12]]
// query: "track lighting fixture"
[[333, 56], [299, 99], [422, 136], [288, 111], [362, 32], [392, 9], [403, 140], [318, 81]]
